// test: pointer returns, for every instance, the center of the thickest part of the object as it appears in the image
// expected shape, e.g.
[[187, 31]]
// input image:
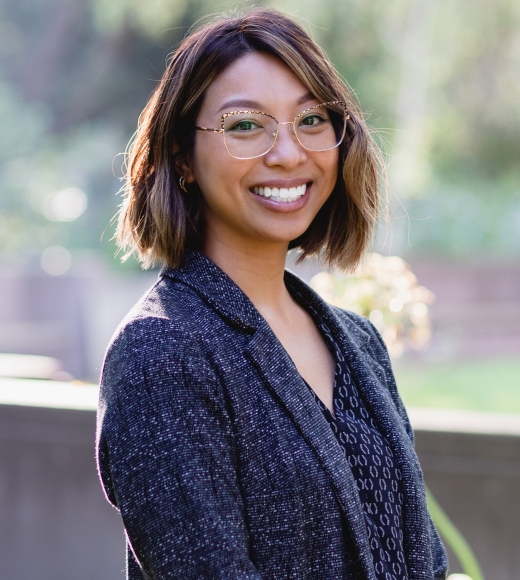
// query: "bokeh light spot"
[[395, 305], [65, 205], [56, 260], [376, 317]]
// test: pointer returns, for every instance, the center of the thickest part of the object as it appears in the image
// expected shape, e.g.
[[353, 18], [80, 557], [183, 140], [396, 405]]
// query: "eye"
[[244, 125], [313, 120]]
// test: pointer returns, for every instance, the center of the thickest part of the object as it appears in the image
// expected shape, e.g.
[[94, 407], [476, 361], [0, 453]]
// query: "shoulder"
[[166, 308], [161, 333], [375, 342], [357, 320], [157, 366]]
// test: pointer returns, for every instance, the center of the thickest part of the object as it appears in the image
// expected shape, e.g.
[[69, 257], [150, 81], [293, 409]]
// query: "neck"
[[257, 269]]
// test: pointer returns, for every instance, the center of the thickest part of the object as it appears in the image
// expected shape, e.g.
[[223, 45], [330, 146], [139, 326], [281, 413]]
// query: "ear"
[[184, 169]]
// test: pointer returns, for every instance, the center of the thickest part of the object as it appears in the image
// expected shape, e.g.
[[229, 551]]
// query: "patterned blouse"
[[373, 466]]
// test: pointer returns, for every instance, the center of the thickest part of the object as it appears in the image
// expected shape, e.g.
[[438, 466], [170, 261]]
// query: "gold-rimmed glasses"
[[251, 134]]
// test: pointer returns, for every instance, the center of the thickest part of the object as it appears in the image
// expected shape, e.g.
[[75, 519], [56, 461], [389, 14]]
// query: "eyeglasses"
[[251, 134]]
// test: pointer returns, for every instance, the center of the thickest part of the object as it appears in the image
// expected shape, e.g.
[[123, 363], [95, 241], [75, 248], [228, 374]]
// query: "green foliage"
[[152, 17], [454, 539], [483, 221], [439, 82], [36, 162], [384, 290]]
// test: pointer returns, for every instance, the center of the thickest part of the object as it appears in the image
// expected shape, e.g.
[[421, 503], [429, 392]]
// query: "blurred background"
[[439, 81]]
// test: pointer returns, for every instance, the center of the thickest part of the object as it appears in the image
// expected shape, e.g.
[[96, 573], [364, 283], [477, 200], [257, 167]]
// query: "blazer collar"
[[219, 290], [371, 381], [279, 374]]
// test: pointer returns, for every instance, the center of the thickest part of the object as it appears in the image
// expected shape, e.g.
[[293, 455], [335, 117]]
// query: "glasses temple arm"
[[209, 129]]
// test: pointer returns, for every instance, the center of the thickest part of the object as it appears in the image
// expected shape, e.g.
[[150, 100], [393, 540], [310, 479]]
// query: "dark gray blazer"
[[219, 459]]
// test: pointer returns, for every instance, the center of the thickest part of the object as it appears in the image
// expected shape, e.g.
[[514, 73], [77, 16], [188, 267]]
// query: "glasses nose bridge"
[[292, 130]]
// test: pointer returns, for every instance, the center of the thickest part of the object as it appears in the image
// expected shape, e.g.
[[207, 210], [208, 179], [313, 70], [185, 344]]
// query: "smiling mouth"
[[281, 194]]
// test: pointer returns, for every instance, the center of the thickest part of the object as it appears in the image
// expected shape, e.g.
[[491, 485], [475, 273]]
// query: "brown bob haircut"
[[158, 220]]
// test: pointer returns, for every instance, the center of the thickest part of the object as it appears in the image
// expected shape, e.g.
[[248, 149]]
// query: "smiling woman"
[[258, 156], [246, 429], [224, 87]]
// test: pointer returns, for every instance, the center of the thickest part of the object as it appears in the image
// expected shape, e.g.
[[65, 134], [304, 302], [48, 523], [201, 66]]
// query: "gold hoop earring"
[[182, 182]]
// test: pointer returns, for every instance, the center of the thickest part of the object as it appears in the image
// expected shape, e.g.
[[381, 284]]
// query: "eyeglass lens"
[[249, 135]]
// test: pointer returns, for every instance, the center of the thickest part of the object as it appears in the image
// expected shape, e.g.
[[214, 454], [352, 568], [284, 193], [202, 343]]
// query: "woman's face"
[[233, 212]]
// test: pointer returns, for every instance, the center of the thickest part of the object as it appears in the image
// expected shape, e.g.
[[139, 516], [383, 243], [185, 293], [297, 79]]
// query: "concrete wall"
[[69, 317], [56, 525], [476, 479], [477, 308]]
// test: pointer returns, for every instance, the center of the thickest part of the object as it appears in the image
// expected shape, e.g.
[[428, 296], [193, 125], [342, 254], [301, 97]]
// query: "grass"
[[488, 385]]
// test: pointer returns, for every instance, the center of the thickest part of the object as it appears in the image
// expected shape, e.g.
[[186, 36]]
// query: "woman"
[[246, 429]]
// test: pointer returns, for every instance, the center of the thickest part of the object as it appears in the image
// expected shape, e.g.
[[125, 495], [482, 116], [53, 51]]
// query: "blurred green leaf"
[[75, 74]]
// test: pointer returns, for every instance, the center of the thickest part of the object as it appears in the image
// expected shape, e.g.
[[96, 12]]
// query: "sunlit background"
[[439, 81]]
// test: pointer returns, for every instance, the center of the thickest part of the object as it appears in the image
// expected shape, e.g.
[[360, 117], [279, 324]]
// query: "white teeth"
[[281, 194]]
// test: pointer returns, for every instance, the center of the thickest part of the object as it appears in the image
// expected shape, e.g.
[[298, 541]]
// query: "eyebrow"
[[233, 103]]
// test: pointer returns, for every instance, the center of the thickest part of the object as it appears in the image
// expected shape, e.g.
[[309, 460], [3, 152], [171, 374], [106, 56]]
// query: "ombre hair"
[[158, 220]]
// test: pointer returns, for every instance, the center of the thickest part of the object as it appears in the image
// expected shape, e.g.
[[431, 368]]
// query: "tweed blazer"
[[214, 451]]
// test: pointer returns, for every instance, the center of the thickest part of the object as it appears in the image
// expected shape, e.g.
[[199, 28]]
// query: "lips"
[[281, 194]]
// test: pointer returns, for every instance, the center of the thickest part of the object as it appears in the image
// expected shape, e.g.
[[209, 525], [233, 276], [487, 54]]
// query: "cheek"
[[215, 170], [329, 167], [334, 164], [218, 174], [208, 157], [209, 167]]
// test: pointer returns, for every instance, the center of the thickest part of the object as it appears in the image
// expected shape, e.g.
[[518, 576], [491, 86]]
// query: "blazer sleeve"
[[166, 457]]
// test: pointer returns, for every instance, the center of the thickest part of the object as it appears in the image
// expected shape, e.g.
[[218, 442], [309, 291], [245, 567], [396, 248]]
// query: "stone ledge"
[[84, 397], [51, 394], [464, 421]]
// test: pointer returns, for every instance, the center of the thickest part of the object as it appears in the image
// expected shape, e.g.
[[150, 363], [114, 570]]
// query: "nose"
[[286, 151]]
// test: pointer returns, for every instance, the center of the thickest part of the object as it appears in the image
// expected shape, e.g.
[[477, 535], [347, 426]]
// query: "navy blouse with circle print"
[[372, 462]]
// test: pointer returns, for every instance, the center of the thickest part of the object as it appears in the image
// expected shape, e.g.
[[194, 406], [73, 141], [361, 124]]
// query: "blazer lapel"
[[279, 373], [415, 513], [371, 381]]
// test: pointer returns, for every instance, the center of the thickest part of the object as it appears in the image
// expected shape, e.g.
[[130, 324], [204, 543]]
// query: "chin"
[[282, 232]]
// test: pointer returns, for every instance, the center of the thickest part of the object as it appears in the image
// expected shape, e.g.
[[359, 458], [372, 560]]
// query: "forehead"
[[258, 79]]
